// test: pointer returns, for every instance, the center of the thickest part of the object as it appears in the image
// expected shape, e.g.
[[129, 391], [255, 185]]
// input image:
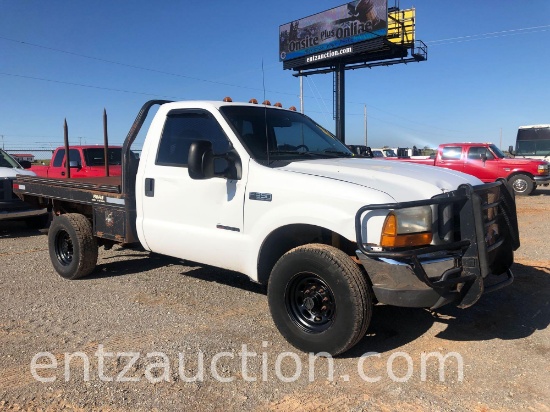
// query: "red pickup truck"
[[487, 162], [84, 161]]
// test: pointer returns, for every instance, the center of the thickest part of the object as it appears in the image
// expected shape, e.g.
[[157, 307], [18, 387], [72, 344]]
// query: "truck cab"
[[84, 161]]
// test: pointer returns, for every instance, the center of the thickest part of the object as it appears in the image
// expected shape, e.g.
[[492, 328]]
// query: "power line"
[[482, 36], [85, 85], [137, 67], [490, 35]]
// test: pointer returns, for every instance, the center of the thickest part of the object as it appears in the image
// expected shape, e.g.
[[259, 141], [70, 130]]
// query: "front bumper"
[[541, 179], [484, 236], [18, 210], [13, 208]]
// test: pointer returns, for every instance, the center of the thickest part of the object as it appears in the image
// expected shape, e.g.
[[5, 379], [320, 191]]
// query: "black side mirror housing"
[[25, 164], [201, 160], [73, 164], [511, 150]]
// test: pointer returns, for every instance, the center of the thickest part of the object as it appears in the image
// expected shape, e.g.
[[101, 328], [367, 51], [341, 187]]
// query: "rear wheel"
[[72, 246], [319, 299], [523, 185]]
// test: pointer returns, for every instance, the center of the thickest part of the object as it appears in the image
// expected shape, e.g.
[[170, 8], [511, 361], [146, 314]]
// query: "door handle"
[[149, 187]]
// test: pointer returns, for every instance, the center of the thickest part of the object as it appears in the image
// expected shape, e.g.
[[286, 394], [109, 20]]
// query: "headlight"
[[543, 169], [407, 227]]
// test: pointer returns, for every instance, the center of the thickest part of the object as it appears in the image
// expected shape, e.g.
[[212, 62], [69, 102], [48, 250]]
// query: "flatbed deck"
[[107, 184]]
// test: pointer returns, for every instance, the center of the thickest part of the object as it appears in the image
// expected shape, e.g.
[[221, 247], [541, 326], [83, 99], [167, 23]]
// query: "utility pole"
[[500, 145], [366, 144], [340, 95], [2, 141]]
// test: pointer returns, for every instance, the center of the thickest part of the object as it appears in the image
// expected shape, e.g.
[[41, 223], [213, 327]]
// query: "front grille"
[[492, 218]]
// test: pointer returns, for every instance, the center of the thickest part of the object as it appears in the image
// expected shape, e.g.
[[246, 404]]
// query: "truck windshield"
[[7, 161], [498, 153], [276, 134], [533, 141], [96, 156]]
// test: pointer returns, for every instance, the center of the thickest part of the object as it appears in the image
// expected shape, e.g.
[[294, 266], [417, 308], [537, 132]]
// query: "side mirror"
[[483, 157], [201, 160], [73, 164], [25, 164], [202, 163], [511, 150]]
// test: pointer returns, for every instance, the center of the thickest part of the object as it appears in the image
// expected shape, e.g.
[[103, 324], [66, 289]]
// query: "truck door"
[[198, 220], [450, 157], [57, 168], [482, 163]]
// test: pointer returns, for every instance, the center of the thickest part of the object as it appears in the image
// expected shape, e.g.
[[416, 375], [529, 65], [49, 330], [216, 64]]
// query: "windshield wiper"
[[324, 153], [286, 152], [338, 152]]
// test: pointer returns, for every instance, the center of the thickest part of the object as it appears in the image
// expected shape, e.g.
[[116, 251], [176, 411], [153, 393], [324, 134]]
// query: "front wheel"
[[72, 246], [319, 299], [523, 185]]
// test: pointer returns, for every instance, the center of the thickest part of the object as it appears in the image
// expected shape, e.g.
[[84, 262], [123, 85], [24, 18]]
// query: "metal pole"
[[67, 157], [500, 145], [105, 142], [366, 144], [301, 94], [340, 103]]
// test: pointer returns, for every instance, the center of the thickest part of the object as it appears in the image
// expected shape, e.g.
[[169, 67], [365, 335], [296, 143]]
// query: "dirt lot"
[[146, 333]]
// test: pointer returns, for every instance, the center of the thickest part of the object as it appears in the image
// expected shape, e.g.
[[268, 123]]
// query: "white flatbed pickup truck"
[[267, 192]]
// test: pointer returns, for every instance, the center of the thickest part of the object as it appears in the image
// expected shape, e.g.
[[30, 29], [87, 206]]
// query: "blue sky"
[[488, 68]]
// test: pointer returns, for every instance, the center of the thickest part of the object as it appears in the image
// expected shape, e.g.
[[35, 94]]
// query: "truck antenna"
[[265, 114]]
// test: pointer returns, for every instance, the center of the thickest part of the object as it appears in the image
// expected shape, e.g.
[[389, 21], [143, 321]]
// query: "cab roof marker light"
[[253, 101], [227, 99]]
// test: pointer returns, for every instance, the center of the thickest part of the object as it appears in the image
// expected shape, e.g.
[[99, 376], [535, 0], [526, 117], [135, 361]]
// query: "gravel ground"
[[155, 333]]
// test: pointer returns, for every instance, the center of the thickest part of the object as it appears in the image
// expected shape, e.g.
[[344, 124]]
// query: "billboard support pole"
[[340, 102], [301, 93]]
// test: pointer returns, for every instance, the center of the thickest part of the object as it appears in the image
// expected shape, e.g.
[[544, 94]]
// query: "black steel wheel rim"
[[64, 248], [310, 303]]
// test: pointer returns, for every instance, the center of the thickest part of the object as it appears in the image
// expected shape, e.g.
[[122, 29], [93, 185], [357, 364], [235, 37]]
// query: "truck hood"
[[12, 172], [401, 181], [521, 162]]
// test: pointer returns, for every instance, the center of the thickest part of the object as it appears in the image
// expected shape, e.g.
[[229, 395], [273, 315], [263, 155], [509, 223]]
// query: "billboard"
[[337, 28]]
